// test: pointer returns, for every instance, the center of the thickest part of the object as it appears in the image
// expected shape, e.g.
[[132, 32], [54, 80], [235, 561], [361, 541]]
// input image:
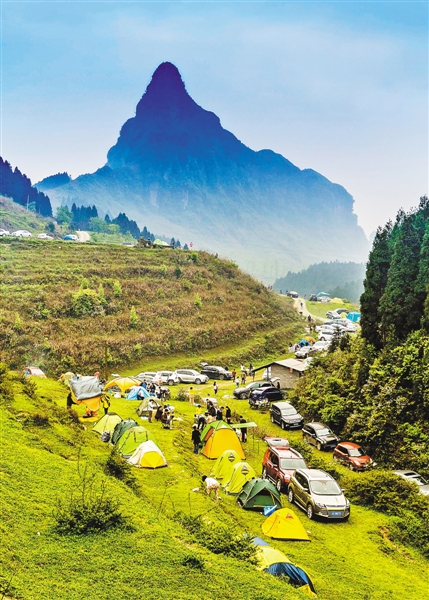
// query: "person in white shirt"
[[212, 484]]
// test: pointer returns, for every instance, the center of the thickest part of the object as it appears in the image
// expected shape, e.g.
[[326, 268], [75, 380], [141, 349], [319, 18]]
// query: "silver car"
[[318, 493], [190, 376], [413, 476]]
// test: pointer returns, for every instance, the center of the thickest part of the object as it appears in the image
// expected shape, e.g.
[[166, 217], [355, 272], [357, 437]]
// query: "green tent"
[[131, 439], [259, 493], [242, 472], [224, 465], [106, 423], [121, 428]]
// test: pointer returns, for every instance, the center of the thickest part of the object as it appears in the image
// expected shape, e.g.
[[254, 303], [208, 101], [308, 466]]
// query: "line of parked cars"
[[185, 375]]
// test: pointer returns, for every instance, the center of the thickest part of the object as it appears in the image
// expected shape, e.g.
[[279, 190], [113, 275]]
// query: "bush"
[[6, 390], [89, 509], [134, 319], [182, 395], [86, 303], [193, 562], [197, 301], [117, 467], [40, 420], [117, 289]]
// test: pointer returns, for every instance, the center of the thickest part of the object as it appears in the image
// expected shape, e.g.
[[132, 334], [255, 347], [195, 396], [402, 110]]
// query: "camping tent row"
[[232, 472], [276, 563], [132, 441], [217, 437]]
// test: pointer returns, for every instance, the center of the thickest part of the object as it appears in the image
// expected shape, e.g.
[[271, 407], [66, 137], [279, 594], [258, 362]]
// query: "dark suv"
[[213, 372], [320, 436], [279, 464], [285, 415], [318, 493], [244, 392], [264, 396]]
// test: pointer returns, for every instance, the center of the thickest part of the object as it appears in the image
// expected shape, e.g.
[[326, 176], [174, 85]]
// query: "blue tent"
[[353, 316], [135, 391], [302, 343]]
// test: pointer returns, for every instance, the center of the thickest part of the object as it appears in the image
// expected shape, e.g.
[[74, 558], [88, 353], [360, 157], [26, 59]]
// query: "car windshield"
[[288, 411], [326, 487], [419, 480], [291, 464], [325, 431], [356, 452]]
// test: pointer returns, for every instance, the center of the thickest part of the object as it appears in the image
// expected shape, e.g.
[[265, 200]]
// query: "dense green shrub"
[[6, 389], [86, 303], [117, 467]]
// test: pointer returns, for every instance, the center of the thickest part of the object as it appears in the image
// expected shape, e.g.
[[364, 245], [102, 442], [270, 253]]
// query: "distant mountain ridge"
[[175, 168]]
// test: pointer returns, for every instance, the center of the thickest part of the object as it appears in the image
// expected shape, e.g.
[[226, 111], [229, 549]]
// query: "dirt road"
[[83, 236]]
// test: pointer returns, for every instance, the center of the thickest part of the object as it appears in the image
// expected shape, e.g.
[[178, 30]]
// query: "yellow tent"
[[148, 456], [337, 300], [224, 465], [276, 563], [242, 472], [310, 339], [107, 423], [217, 437], [283, 524], [123, 383]]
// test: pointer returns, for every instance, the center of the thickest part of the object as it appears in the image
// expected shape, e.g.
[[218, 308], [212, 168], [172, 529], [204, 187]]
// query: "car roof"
[[315, 474], [285, 452], [317, 425], [350, 445], [282, 405], [407, 473]]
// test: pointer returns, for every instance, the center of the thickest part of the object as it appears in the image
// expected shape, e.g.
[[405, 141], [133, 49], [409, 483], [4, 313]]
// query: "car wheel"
[[272, 419], [290, 496], [351, 467], [322, 339], [283, 426], [221, 376], [198, 382], [335, 459], [279, 485], [319, 446], [180, 380], [310, 511], [170, 382], [264, 473], [242, 396]]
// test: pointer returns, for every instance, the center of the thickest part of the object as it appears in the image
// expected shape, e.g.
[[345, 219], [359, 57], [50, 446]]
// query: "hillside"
[[157, 557], [176, 167], [13, 216], [338, 279], [16, 185], [68, 306]]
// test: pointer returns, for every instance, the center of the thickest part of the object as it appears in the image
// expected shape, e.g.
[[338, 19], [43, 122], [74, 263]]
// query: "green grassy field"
[[319, 309], [347, 561]]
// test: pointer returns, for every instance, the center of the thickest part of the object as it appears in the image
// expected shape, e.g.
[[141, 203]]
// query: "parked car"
[[4, 232], [279, 464], [22, 233], [276, 441], [44, 236], [71, 238], [353, 456], [317, 493], [214, 372], [146, 376], [285, 415], [167, 377], [264, 395], [190, 376], [413, 476], [244, 392], [312, 298], [320, 436], [292, 294], [303, 352], [319, 346]]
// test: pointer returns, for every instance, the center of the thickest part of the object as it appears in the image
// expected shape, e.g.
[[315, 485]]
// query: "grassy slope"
[[38, 281], [13, 216], [347, 561], [319, 309]]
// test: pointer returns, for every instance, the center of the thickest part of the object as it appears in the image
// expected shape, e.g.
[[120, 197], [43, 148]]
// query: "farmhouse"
[[288, 371]]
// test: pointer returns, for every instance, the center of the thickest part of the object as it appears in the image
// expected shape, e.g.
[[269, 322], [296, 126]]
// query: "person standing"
[[150, 408], [211, 484], [215, 387], [195, 438], [243, 430], [237, 382], [191, 395], [219, 414], [228, 415]]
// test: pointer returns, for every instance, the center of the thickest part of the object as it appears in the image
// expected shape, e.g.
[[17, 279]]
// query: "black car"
[[213, 372], [320, 436], [264, 395], [244, 392], [285, 415]]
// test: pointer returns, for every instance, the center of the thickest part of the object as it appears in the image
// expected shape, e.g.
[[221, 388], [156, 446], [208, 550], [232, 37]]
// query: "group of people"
[[164, 415]]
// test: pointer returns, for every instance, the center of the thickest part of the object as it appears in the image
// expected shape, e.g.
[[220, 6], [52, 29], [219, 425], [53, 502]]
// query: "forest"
[[17, 186]]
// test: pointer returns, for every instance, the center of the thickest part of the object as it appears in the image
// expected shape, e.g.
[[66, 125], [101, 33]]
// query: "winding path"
[[83, 236]]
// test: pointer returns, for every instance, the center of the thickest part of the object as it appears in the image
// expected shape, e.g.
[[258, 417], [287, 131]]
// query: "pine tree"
[[374, 286]]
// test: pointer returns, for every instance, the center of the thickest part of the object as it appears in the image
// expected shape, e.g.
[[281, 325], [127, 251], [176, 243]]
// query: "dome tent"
[[259, 493], [121, 428], [242, 472], [283, 524], [148, 456], [224, 465], [107, 423], [217, 437], [131, 439]]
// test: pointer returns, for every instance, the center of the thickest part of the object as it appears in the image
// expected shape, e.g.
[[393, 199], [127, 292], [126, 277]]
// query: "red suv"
[[353, 456], [279, 464]]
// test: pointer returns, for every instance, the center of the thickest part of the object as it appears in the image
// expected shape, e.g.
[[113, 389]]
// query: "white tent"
[[148, 456]]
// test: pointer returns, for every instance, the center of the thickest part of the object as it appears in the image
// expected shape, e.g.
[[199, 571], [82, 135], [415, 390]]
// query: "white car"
[[44, 236], [413, 476], [22, 233], [146, 376], [165, 377], [4, 232], [190, 376], [319, 346]]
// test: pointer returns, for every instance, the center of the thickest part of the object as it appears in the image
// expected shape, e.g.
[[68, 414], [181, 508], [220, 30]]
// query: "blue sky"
[[340, 87]]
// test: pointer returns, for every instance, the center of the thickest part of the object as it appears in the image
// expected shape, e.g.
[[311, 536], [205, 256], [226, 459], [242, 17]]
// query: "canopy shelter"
[[276, 563], [123, 383], [106, 423], [259, 493], [137, 392], [217, 437], [283, 524], [353, 317], [131, 439], [86, 390], [148, 456], [242, 472], [224, 465], [322, 295], [121, 428]]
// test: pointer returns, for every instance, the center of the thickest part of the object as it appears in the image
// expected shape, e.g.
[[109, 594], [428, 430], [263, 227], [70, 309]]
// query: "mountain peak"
[[165, 88]]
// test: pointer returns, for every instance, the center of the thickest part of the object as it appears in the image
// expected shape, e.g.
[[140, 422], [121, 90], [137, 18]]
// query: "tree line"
[[17, 186]]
